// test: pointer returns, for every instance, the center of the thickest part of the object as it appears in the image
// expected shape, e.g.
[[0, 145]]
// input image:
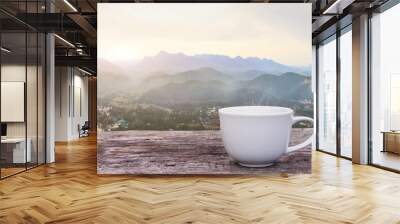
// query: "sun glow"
[[119, 53], [280, 32]]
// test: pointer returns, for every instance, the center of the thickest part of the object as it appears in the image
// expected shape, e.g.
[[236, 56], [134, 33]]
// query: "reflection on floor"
[[10, 169], [346, 152], [386, 159]]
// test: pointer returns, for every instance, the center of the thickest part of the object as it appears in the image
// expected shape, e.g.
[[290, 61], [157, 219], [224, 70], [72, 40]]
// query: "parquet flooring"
[[70, 191]]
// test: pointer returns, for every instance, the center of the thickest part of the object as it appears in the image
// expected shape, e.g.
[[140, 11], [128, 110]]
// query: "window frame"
[[334, 37]]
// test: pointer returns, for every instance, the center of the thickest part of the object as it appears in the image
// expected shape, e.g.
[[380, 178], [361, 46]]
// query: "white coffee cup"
[[255, 136]]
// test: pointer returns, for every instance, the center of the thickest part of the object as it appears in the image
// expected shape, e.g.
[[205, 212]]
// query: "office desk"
[[391, 141], [16, 147]]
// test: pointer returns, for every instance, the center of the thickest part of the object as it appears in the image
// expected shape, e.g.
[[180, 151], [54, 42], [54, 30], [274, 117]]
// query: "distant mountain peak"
[[166, 53], [162, 53], [207, 69]]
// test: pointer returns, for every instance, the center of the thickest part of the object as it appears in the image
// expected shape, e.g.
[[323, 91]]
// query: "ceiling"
[[75, 21]]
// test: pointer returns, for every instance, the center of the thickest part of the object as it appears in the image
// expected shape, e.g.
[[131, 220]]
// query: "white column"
[[360, 89], [50, 98]]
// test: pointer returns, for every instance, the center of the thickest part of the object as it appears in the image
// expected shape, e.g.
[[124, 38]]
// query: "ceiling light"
[[5, 50], [70, 5], [338, 6], [333, 6], [84, 71], [79, 51], [64, 40]]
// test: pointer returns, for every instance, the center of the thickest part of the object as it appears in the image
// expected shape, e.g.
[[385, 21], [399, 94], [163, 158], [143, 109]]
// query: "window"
[[346, 93], [327, 96], [335, 74], [385, 89]]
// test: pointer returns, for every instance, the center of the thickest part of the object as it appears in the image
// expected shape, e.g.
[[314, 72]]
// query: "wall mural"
[[165, 71]]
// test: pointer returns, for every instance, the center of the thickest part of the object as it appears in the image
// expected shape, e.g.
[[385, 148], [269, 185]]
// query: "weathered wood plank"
[[185, 152]]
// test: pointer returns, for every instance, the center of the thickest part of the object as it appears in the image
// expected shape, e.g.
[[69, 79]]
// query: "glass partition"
[[14, 153], [22, 78]]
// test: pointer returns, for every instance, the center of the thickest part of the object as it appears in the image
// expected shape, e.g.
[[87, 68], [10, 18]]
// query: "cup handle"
[[306, 142]]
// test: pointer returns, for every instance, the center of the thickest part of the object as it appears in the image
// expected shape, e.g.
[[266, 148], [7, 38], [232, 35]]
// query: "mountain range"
[[189, 99], [207, 85], [138, 74], [179, 62]]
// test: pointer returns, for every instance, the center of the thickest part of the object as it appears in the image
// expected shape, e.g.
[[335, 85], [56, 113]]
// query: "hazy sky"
[[281, 32]]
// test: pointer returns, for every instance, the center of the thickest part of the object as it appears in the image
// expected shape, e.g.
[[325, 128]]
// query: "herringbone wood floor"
[[70, 191]]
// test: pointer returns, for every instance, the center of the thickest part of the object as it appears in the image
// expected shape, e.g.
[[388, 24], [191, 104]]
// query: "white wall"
[[62, 81], [11, 73], [70, 83]]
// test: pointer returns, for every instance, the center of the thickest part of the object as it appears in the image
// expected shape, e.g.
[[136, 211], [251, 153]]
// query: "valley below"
[[190, 100]]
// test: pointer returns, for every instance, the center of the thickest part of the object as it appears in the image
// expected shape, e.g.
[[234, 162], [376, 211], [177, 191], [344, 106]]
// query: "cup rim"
[[233, 111]]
